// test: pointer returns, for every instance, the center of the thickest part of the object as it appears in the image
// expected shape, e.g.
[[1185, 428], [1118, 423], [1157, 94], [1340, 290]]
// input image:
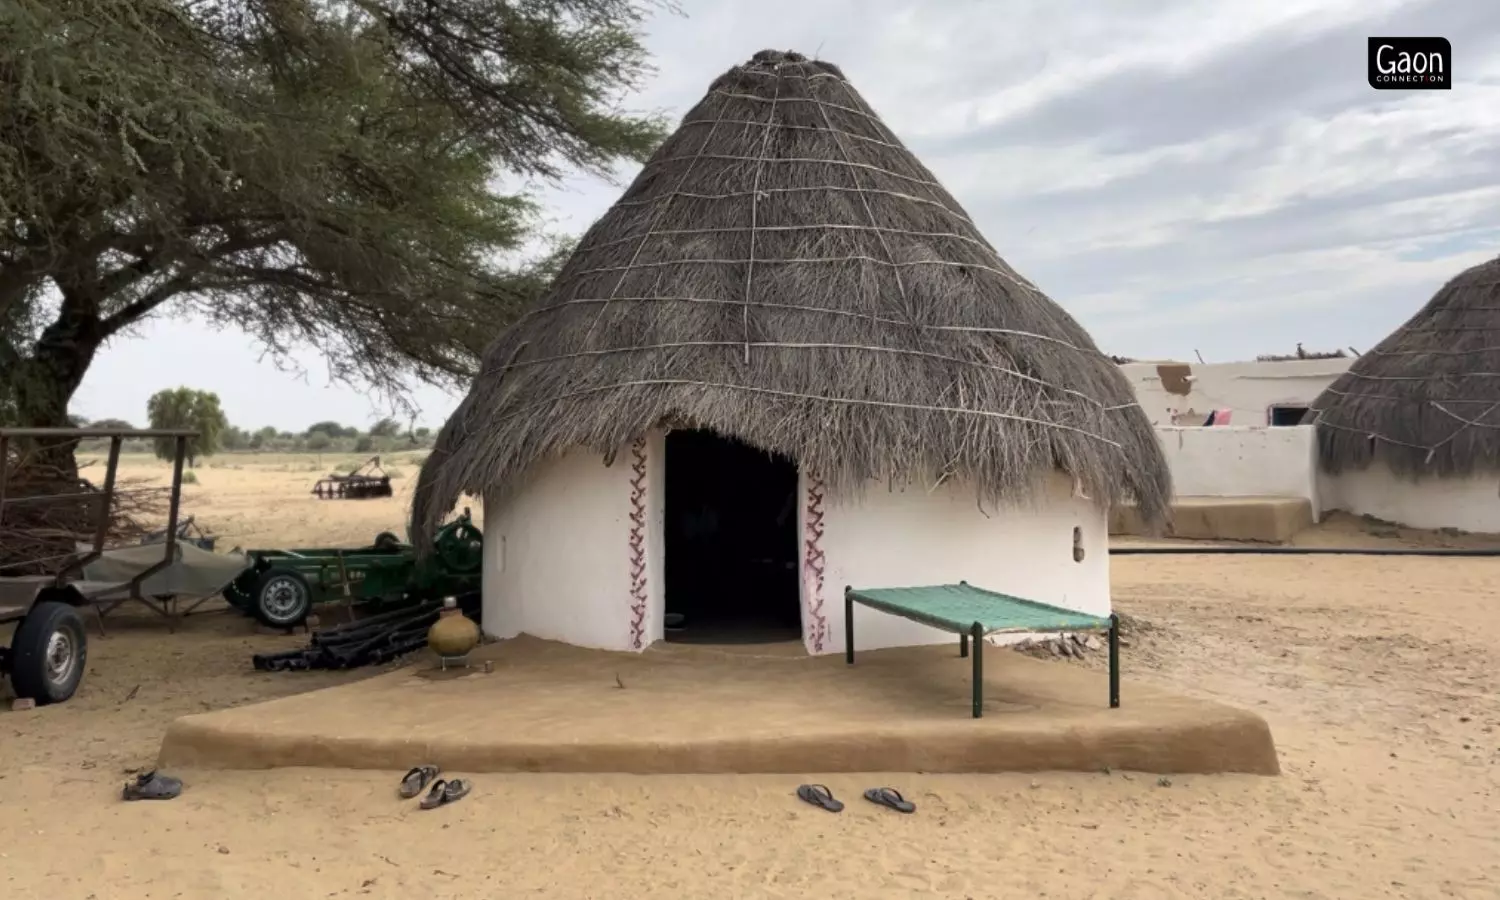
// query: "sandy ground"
[[255, 500], [1379, 676]]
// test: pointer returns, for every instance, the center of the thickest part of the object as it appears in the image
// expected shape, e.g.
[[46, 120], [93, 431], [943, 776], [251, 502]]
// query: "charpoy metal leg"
[[848, 625], [963, 639], [1114, 661], [977, 633]]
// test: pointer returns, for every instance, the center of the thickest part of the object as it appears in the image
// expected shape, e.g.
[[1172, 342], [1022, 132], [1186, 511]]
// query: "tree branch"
[[183, 281], [143, 305]]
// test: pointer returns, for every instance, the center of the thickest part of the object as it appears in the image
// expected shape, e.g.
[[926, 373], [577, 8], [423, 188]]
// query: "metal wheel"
[[283, 598], [61, 658], [461, 548]]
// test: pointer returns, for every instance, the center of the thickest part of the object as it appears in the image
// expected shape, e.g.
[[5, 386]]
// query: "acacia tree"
[[385, 428], [310, 171]]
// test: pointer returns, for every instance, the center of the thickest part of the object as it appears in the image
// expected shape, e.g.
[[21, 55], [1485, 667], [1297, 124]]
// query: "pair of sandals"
[[820, 796], [440, 791]]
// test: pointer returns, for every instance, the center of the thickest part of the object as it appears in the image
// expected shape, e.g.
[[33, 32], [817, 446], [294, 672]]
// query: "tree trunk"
[[16, 283], [50, 375]]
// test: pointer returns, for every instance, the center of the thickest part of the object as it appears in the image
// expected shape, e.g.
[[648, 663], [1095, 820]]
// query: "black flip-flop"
[[152, 786], [445, 792], [820, 796], [890, 797], [413, 782]]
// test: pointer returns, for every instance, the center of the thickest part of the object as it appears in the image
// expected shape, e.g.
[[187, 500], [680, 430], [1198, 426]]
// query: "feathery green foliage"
[[187, 408], [318, 172]]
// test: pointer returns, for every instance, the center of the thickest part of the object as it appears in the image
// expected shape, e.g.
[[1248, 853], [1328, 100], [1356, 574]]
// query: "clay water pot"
[[453, 634]]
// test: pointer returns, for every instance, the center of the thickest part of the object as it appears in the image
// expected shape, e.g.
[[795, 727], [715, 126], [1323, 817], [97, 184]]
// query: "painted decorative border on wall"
[[638, 543], [812, 563]]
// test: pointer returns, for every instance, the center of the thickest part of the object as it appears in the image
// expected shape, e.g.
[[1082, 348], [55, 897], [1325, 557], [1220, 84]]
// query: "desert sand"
[[1379, 676]]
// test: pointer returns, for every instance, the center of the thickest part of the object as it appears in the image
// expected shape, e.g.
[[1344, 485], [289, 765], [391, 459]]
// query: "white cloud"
[[1180, 174]]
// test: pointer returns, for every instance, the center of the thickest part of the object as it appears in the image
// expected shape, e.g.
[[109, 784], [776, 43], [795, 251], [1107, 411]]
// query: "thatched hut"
[[784, 361], [1411, 432]]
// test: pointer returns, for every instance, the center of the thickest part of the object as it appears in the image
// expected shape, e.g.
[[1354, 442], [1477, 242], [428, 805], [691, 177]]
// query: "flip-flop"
[[152, 786], [820, 796], [445, 792], [414, 781], [890, 797]]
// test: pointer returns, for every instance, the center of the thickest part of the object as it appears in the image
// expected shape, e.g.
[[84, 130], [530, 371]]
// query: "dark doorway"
[[731, 536], [1287, 415]]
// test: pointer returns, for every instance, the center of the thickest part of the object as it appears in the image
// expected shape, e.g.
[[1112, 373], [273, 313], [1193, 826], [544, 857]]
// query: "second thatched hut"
[[785, 361], [1411, 432]]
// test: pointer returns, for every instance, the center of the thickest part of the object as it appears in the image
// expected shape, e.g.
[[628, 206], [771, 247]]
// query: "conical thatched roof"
[[784, 271], [1426, 400]]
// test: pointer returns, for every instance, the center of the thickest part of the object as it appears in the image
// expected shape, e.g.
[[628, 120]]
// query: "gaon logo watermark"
[[1411, 64]]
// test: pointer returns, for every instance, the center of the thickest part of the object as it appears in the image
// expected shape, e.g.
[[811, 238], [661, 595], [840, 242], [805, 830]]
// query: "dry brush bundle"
[[1301, 354], [48, 511]]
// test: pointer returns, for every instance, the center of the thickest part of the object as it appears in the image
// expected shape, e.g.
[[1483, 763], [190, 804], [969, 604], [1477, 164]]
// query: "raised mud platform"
[[547, 707], [1270, 519]]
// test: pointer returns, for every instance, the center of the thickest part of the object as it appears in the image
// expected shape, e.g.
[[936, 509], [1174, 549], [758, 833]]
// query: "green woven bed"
[[957, 607], [973, 612]]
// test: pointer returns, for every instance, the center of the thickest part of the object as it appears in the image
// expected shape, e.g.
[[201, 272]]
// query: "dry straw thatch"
[[1426, 400], [784, 271]]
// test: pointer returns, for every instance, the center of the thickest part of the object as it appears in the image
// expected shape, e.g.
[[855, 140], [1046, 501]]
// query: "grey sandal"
[[890, 797], [416, 780], [152, 786], [820, 796], [445, 792]]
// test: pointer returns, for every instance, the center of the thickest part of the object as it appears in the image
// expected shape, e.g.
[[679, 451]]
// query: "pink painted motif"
[[637, 543], [812, 563]]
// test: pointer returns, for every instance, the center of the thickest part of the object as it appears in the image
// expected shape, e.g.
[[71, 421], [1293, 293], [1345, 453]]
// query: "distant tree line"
[[188, 408]]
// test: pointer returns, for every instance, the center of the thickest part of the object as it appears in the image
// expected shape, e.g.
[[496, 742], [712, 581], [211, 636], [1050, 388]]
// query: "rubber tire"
[[298, 616], [28, 652], [386, 540], [237, 599]]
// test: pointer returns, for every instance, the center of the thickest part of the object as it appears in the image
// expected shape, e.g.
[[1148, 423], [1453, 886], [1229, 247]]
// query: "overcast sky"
[[1181, 175]]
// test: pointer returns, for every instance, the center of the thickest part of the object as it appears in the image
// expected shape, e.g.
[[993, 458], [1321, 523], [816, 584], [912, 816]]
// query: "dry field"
[[1380, 678], [265, 500]]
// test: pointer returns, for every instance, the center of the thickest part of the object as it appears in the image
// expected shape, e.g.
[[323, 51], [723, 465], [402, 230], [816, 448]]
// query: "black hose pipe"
[[364, 622], [367, 631]]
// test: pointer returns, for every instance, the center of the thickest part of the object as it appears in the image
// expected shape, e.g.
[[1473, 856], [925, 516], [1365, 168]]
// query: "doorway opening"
[[731, 542], [1287, 415]]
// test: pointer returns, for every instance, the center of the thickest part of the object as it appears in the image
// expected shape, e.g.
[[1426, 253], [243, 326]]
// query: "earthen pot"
[[453, 634]]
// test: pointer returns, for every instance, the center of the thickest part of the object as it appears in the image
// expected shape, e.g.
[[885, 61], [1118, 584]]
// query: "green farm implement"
[[281, 587]]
